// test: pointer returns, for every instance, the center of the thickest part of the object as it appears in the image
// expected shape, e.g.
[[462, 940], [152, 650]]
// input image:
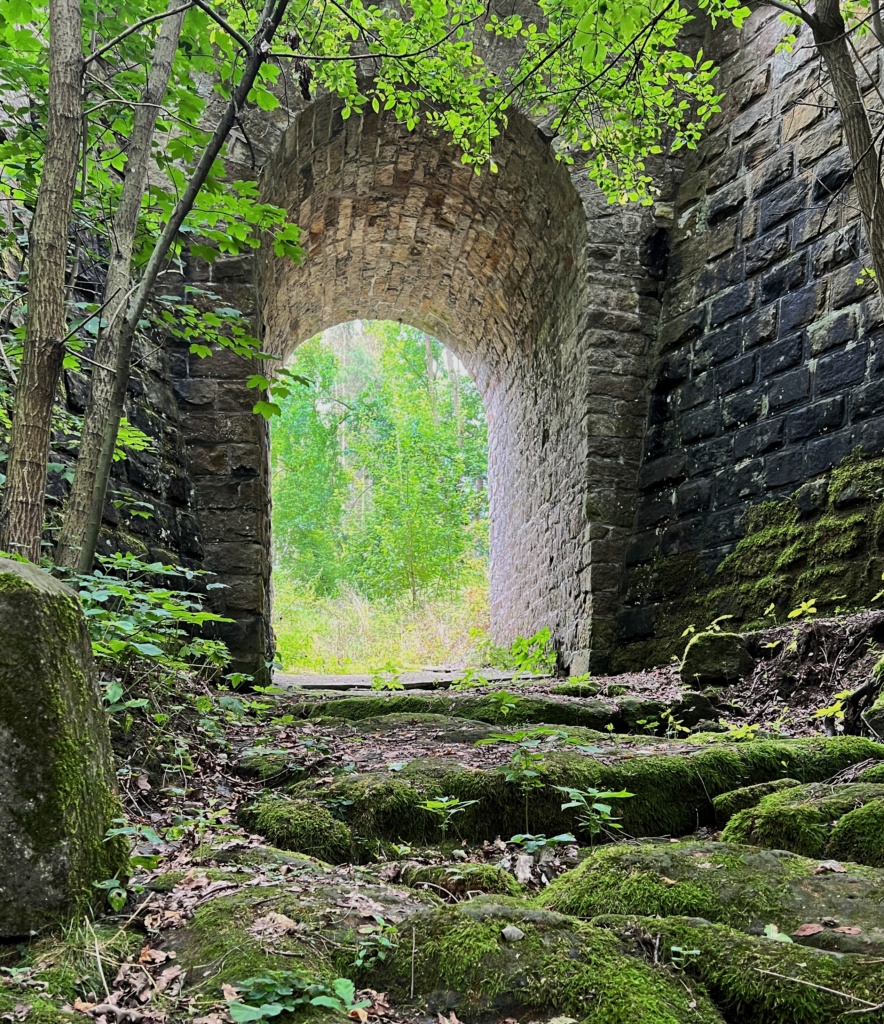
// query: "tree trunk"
[[830, 36], [21, 520], [83, 536], [113, 351]]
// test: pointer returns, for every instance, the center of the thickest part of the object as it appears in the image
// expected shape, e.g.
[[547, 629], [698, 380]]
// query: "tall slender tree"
[[21, 518]]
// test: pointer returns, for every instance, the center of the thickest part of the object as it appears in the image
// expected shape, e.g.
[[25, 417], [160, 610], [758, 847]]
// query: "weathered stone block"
[[57, 794], [715, 658]]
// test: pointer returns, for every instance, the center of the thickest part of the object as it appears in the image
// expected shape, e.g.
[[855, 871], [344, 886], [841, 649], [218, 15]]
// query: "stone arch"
[[534, 282]]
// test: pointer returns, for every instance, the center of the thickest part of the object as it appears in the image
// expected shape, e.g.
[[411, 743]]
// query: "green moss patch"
[[461, 880], [825, 542], [300, 825], [727, 805], [740, 886], [672, 791], [803, 819], [758, 980], [487, 955]]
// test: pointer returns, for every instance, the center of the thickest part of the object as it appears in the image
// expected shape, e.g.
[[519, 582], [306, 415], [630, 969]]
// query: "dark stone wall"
[[769, 351]]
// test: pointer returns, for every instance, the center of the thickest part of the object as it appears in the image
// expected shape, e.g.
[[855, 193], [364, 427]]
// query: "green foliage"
[[279, 992], [445, 808], [138, 627], [532, 843], [593, 812], [375, 465]]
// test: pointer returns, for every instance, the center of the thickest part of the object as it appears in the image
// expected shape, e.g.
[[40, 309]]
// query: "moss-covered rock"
[[573, 689], [874, 773], [505, 958], [874, 717], [300, 825], [739, 886], [41, 1010], [311, 924], [802, 819], [715, 659], [57, 799], [672, 791], [593, 713], [859, 835], [756, 980], [461, 880], [271, 766], [727, 804]]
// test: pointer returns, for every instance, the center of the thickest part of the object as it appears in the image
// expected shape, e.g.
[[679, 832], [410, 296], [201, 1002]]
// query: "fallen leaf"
[[274, 924], [229, 992], [809, 928], [358, 1014], [826, 866], [668, 881]]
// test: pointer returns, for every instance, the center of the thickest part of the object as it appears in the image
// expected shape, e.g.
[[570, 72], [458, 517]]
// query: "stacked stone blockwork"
[[770, 351], [646, 375]]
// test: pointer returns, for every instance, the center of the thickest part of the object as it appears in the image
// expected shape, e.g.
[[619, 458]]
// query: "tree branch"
[[134, 28], [228, 28]]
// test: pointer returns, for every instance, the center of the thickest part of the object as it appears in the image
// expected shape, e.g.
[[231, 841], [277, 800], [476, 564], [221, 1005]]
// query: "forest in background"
[[380, 504]]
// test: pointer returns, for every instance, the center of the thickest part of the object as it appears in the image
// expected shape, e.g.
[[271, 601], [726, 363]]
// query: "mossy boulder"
[[874, 773], [859, 835], [58, 798], [574, 689], [728, 804], [460, 880], [592, 713], [269, 765], [803, 820], [303, 826], [311, 921], [672, 790], [756, 980], [740, 886], [715, 659], [503, 958]]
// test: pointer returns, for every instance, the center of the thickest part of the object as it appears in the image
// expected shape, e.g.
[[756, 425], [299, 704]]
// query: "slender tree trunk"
[[113, 352], [830, 36], [82, 536], [21, 520]]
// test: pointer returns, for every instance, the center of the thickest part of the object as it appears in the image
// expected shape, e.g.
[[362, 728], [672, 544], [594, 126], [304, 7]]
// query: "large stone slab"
[[57, 794]]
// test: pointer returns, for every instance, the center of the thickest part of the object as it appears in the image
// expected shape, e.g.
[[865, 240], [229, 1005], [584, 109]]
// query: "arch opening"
[[380, 505]]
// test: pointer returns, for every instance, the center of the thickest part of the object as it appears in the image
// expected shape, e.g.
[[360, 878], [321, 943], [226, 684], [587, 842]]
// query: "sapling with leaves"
[[445, 808], [593, 811]]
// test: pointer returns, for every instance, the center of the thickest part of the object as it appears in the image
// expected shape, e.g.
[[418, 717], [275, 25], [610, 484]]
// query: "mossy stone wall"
[[57, 794], [825, 542]]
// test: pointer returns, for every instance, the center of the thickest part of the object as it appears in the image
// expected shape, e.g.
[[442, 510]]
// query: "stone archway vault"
[[529, 278]]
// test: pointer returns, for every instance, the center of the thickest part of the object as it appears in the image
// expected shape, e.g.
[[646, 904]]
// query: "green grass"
[[347, 633]]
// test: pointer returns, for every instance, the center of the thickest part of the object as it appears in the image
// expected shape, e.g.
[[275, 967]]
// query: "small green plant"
[[836, 708], [279, 992], [468, 681], [739, 732], [386, 679], [680, 957], [504, 703], [648, 725], [674, 726], [445, 808], [806, 610], [375, 942], [594, 813], [524, 772], [534, 654], [532, 843], [772, 932]]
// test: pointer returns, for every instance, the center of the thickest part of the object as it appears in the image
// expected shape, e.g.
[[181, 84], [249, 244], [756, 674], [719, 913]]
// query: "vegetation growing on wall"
[[825, 542]]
